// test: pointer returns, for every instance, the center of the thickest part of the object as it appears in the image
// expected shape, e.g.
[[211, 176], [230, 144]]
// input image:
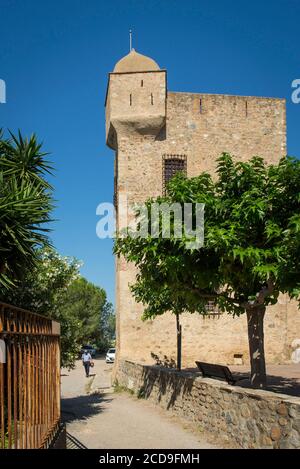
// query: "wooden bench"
[[210, 370]]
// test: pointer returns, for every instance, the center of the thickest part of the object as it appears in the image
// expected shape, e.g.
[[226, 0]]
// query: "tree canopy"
[[33, 275], [88, 304], [54, 288], [250, 254]]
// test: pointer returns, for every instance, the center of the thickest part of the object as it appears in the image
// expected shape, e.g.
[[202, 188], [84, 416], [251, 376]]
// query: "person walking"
[[86, 361]]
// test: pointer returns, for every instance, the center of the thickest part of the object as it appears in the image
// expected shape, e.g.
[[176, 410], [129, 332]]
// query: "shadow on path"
[[74, 443], [82, 407]]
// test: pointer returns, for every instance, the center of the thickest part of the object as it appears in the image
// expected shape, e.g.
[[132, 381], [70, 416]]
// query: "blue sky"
[[55, 56]]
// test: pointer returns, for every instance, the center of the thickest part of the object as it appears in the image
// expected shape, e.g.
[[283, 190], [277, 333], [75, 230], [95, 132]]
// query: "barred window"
[[172, 164], [212, 310]]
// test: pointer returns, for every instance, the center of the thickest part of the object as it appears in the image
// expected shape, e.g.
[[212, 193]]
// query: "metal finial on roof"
[[130, 40]]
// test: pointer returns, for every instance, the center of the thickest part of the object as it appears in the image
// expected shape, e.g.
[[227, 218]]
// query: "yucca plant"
[[25, 205]]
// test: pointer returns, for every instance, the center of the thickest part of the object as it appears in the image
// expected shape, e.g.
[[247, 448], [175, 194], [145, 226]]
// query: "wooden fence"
[[29, 379]]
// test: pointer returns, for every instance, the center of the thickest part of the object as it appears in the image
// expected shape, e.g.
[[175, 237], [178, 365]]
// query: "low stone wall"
[[243, 417]]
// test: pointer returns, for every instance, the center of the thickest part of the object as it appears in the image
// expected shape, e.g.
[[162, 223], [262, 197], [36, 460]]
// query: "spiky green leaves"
[[25, 205]]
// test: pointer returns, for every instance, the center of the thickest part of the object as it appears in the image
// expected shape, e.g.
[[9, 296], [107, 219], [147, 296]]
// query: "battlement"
[[232, 105]]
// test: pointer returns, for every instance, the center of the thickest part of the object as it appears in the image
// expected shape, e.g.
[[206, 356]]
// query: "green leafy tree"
[[25, 205], [88, 304], [42, 290], [32, 274], [109, 325], [251, 248], [54, 288]]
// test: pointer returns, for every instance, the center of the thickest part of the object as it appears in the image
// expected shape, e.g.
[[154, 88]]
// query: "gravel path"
[[118, 420]]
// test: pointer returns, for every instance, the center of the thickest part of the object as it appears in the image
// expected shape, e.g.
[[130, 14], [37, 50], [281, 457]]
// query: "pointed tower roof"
[[135, 62]]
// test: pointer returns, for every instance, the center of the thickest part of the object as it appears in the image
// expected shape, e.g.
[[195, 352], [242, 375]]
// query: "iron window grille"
[[212, 310], [172, 164]]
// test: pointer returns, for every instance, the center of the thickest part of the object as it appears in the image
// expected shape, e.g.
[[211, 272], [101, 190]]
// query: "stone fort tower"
[[154, 133]]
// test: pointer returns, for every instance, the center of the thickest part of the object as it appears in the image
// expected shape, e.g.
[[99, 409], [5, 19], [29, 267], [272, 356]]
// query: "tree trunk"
[[179, 337], [255, 320]]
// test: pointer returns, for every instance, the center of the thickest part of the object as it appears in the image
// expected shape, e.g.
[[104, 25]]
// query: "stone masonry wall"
[[242, 417]]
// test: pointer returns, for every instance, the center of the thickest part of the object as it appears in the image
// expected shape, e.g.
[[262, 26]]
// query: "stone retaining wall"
[[243, 417]]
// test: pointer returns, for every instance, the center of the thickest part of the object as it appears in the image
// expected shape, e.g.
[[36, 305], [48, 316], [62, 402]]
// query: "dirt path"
[[118, 420]]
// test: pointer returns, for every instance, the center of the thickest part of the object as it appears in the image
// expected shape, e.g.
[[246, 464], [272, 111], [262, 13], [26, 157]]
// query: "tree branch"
[[261, 296], [259, 301], [212, 296]]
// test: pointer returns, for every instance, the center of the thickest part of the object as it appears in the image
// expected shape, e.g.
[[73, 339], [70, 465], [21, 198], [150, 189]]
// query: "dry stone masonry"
[[241, 417]]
